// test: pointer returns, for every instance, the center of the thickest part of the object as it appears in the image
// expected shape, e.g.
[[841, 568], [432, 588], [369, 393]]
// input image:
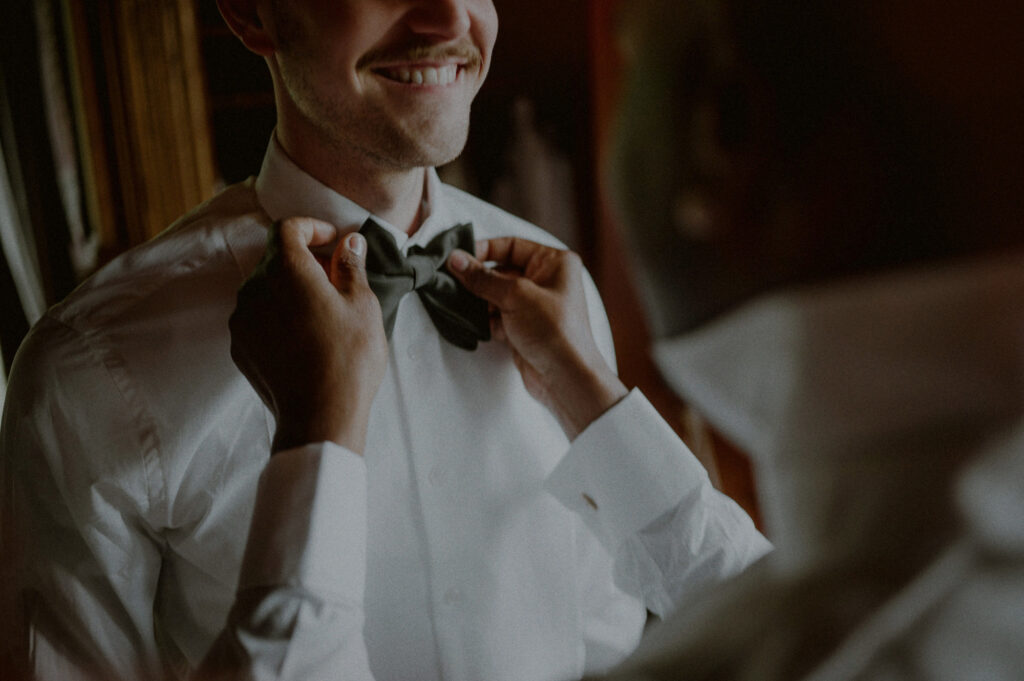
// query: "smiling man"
[[472, 533], [369, 94]]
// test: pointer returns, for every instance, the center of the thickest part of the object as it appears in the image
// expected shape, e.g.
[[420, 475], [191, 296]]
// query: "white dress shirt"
[[885, 418], [461, 547]]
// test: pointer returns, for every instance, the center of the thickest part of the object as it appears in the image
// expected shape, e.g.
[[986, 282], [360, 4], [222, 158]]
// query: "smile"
[[425, 75]]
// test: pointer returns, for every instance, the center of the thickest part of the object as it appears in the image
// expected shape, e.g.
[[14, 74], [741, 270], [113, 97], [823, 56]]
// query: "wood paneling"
[[145, 108]]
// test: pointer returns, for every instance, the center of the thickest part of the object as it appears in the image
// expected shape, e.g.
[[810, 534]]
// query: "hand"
[[309, 337], [540, 312]]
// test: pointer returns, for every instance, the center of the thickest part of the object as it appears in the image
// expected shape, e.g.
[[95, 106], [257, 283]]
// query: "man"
[[856, 167], [471, 541]]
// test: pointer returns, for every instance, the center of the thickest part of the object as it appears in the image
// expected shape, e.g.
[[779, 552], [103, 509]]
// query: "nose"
[[446, 19]]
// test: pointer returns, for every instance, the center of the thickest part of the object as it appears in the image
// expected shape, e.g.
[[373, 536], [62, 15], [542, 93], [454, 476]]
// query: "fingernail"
[[459, 260], [356, 243]]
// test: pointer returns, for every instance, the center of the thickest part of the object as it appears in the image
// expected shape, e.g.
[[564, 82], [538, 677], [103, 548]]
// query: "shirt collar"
[[804, 366], [286, 190]]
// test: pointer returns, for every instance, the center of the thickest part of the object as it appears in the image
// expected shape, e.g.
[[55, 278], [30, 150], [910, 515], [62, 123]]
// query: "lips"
[[423, 64], [421, 75]]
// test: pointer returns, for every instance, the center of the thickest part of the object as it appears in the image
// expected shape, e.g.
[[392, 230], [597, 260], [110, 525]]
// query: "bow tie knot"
[[424, 269], [460, 317]]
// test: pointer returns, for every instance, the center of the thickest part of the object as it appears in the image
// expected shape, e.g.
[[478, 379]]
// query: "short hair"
[[725, 102]]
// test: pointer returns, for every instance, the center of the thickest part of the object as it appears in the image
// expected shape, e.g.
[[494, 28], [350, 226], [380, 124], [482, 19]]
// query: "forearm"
[[325, 420], [298, 613], [580, 392]]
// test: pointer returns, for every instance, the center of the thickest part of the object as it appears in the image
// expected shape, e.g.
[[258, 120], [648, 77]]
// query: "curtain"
[[105, 137], [22, 300]]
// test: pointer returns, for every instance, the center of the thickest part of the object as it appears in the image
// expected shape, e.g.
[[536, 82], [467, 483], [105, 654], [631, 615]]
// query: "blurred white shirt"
[[885, 417]]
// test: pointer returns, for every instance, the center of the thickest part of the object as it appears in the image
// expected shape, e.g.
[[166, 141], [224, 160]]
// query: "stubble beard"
[[369, 130]]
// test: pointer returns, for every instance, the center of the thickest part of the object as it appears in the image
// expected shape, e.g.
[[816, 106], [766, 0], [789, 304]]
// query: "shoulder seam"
[[149, 445]]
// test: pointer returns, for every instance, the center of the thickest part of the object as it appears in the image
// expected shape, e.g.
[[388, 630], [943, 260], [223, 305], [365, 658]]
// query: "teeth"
[[445, 75]]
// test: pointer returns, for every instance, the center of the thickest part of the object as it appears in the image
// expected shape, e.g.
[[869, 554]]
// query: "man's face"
[[391, 80]]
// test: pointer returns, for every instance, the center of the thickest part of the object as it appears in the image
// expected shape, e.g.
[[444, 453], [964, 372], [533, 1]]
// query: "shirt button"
[[453, 596], [411, 352]]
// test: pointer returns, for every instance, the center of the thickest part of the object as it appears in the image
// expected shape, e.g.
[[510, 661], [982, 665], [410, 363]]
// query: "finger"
[[305, 233], [348, 263], [290, 243], [511, 251], [494, 287]]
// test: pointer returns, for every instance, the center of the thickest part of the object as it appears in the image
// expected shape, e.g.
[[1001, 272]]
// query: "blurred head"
[[763, 144], [391, 81]]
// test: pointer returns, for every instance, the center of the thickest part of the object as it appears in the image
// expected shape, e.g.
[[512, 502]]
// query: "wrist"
[[342, 427], [582, 393]]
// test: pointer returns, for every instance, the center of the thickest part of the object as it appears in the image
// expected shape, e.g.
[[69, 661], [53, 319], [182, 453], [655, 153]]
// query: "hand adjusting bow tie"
[[460, 317]]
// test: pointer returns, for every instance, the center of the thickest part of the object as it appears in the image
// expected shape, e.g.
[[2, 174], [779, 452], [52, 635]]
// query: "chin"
[[438, 151], [447, 156], [428, 139]]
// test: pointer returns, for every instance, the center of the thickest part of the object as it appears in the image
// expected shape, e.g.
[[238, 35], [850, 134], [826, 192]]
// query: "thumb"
[[493, 286], [348, 263]]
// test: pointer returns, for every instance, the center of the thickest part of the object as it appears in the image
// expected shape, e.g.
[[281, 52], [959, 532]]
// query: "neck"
[[394, 194]]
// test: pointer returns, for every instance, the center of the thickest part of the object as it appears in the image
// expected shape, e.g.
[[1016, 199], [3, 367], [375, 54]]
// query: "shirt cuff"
[[625, 470], [309, 524]]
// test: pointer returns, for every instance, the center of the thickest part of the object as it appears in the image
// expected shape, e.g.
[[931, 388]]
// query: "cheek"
[[485, 25], [338, 32]]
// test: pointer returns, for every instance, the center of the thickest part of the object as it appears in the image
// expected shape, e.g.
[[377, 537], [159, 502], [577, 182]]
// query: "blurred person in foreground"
[[826, 205], [825, 202]]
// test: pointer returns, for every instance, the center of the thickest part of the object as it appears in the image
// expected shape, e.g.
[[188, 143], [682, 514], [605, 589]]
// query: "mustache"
[[463, 50]]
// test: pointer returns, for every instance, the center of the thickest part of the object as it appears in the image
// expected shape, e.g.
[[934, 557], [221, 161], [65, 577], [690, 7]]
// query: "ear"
[[243, 18]]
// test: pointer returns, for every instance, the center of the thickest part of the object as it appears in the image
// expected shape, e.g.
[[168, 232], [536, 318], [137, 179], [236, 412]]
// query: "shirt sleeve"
[[77, 540], [298, 613], [651, 505]]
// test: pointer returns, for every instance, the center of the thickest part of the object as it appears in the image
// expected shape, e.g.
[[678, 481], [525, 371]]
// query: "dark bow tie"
[[459, 316]]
